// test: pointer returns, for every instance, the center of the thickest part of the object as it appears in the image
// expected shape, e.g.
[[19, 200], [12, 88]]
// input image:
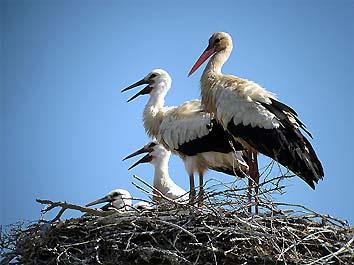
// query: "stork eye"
[[217, 40], [153, 75], [115, 194]]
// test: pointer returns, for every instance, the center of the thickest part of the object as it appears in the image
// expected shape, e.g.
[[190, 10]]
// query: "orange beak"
[[209, 51]]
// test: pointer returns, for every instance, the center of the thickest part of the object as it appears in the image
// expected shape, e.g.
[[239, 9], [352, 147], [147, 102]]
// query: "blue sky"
[[65, 126]]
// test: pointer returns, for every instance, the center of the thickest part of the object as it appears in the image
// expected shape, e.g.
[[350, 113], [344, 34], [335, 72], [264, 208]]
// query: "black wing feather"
[[217, 140], [286, 145], [278, 108]]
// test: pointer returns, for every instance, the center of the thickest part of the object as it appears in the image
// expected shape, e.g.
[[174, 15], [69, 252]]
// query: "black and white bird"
[[254, 116], [188, 131], [118, 199], [158, 156], [121, 200]]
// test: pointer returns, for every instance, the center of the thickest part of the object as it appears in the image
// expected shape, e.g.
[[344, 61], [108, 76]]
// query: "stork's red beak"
[[209, 51]]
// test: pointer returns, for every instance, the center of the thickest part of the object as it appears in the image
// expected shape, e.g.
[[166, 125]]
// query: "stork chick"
[[121, 200], [118, 199], [159, 157]]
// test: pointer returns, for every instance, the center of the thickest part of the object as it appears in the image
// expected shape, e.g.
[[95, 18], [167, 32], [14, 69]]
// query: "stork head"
[[218, 42], [119, 199], [156, 154], [158, 81]]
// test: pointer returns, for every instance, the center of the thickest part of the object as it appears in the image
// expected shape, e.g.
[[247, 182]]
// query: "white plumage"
[[159, 157], [182, 124], [118, 199], [253, 115], [241, 108], [142, 205], [188, 131]]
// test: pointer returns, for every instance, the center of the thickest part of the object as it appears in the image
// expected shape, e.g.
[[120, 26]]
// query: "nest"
[[222, 232]]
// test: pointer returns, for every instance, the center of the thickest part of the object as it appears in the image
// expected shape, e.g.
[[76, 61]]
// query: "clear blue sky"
[[65, 126]]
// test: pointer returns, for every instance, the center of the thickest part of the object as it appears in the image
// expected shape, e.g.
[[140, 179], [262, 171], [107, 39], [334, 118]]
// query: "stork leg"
[[201, 189], [249, 195], [250, 180], [253, 180], [256, 181], [191, 189]]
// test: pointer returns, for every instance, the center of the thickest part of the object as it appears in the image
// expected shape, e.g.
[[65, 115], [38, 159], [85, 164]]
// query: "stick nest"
[[222, 232], [187, 237]]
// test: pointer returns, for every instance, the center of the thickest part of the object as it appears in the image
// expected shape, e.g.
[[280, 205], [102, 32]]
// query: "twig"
[[178, 227], [329, 256], [64, 206]]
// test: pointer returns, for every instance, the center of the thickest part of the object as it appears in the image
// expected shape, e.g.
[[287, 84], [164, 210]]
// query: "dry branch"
[[222, 232], [186, 237]]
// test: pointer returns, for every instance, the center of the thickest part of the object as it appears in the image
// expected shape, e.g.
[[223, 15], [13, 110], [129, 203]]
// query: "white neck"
[[216, 62], [162, 179], [153, 111], [156, 100], [210, 77]]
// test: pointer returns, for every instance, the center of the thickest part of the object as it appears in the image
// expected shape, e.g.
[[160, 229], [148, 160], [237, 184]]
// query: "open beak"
[[209, 51], [144, 91], [104, 199], [145, 149], [146, 159]]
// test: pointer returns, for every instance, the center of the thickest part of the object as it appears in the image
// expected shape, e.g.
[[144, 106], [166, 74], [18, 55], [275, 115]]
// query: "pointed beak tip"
[[139, 83], [132, 98], [132, 166], [138, 152]]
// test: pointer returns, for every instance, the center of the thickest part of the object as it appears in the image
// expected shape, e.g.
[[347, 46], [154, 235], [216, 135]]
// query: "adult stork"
[[159, 156], [188, 131], [254, 116]]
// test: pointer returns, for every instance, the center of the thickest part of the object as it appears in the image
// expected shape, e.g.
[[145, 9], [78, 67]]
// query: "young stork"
[[254, 116], [188, 131], [158, 156], [117, 199]]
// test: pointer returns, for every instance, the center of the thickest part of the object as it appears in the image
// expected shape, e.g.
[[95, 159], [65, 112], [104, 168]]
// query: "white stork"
[[121, 200], [159, 157], [118, 199], [188, 131], [254, 116]]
